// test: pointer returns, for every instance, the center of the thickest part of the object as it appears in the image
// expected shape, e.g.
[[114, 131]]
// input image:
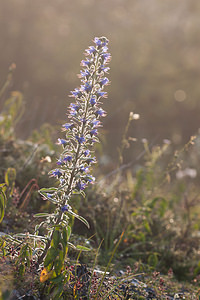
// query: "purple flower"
[[106, 57], [62, 181], [60, 162], [73, 112], [104, 69], [91, 50], [80, 139], [68, 126], [93, 101], [56, 173], [89, 178], [100, 112], [97, 41], [101, 94], [80, 185], [86, 63], [93, 132], [67, 158], [77, 93], [105, 49], [75, 106], [87, 87], [101, 42], [86, 152], [85, 73], [49, 195], [95, 123], [65, 208], [104, 81], [61, 142], [84, 169]]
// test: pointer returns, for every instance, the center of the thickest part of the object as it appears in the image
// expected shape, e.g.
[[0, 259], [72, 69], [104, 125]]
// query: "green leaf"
[[153, 259], [58, 291], [69, 230], [10, 176], [139, 237], [58, 266], [147, 226], [153, 202], [21, 269], [162, 203], [44, 194], [2, 204], [47, 190], [50, 257], [41, 215], [163, 207], [71, 245], [64, 249], [58, 279], [82, 248], [56, 238], [65, 236], [79, 217], [62, 255], [197, 269], [2, 185], [33, 236]]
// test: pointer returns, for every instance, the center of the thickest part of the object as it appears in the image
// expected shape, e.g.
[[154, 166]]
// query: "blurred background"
[[155, 67]]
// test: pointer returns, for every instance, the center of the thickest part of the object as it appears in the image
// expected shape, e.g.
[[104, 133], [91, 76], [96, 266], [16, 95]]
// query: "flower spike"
[[75, 162]]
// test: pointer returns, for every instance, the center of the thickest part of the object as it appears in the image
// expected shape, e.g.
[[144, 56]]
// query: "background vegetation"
[[148, 171], [155, 65]]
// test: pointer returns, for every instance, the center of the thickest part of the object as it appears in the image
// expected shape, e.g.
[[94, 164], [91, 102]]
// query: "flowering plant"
[[74, 164]]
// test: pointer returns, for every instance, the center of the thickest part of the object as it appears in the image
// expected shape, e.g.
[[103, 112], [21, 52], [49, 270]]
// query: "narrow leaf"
[[41, 215], [71, 245], [79, 217], [82, 248]]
